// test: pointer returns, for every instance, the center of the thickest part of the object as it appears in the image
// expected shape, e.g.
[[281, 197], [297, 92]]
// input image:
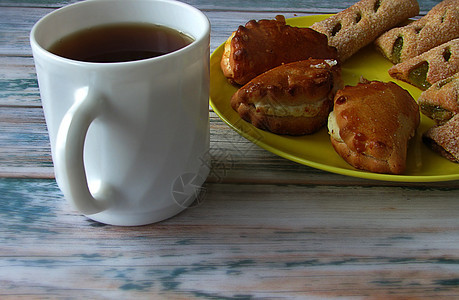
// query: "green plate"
[[423, 165]]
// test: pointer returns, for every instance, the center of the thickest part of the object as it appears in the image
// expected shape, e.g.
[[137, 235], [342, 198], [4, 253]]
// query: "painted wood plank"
[[281, 241], [18, 82], [24, 143], [18, 85], [252, 5], [16, 21], [16, 24], [25, 152]]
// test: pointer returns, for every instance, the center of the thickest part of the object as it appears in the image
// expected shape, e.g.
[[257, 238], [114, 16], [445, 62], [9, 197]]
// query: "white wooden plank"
[[301, 240], [235, 5]]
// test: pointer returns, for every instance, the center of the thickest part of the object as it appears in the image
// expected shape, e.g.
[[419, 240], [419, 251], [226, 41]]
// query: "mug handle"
[[69, 154]]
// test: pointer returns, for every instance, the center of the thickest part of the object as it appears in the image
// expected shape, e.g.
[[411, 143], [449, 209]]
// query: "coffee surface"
[[120, 42]]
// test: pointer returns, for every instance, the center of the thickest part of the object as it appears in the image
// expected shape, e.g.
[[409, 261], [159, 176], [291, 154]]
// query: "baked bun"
[[293, 99], [260, 46], [371, 124], [444, 139]]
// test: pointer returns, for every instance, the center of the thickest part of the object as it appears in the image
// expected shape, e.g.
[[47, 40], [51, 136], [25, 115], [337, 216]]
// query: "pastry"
[[260, 46], [444, 139], [371, 124], [292, 99], [359, 25], [441, 101], [438, 26], [424, 70]]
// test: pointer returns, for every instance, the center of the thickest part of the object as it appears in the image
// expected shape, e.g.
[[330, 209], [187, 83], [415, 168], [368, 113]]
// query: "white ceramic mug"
[[129, 140]]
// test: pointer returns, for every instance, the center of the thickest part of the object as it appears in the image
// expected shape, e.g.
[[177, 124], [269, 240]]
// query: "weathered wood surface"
[[242, 241], [266, 227]]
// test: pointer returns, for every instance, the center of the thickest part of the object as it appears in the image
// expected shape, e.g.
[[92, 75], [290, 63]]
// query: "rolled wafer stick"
[[444, 139], [429, 67], [440, 102], [359, 25], [440, 25]]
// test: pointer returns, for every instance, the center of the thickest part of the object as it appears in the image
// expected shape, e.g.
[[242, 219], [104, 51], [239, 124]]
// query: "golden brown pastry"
[[444, 139], [293, 99], [371, 124], [259, 46], [440, 25], [424, 70], [441, 101], [359, 25]]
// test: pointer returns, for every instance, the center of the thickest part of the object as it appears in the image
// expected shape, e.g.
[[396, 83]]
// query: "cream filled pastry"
[[293, 99], [371, 124], [262, 45]]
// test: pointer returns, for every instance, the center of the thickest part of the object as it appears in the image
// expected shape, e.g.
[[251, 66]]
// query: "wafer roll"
[[359, 25], [426, 69], [444, 139], [440, 25], [441, 101]]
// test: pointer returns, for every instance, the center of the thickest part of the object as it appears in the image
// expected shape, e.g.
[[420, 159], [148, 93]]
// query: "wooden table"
[[267, 228]]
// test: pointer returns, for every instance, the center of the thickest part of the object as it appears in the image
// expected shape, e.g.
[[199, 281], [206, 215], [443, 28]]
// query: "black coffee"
[[120, 42]]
